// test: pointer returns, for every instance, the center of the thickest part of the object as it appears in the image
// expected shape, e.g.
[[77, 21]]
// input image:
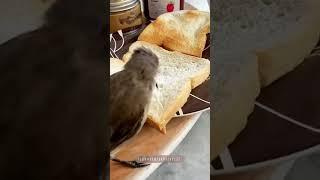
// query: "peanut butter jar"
[[125, 15]]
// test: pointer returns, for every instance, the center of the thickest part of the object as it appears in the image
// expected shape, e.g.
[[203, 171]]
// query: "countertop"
[[196, 151]]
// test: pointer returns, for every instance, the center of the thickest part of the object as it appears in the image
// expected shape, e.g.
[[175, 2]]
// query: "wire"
[[200, 99], [206, 47], [122, 38], [112, 51], [287, 118], [115, 49], [114, 54], [115, 44]]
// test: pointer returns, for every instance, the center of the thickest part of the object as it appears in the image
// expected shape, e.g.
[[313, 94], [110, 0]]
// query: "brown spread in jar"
[[125, 15]]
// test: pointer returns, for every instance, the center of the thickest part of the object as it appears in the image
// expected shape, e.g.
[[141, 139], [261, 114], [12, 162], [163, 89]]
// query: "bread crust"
[[180, 100], [294, 46], [199, 78], [169, 31]]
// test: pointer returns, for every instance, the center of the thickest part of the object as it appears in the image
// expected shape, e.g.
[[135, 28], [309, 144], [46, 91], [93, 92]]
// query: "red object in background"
[[170, 7]]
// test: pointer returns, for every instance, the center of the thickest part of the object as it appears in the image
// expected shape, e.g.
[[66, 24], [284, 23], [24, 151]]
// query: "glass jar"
[[154, 8], [125, 15]]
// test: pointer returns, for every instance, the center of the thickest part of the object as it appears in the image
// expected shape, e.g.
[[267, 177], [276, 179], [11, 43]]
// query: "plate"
[[199, 99]]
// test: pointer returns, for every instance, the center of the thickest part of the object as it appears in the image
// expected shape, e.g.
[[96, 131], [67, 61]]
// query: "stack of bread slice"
[[179, 44]]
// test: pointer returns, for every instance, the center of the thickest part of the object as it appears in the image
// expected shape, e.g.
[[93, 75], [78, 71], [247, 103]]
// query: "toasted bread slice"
[[184, 31], [178, 74]]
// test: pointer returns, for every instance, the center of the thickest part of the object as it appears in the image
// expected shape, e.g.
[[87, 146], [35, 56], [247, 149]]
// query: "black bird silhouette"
[[53, 115]]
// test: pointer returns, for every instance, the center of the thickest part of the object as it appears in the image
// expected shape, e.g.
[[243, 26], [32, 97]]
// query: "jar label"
[[158, 7]]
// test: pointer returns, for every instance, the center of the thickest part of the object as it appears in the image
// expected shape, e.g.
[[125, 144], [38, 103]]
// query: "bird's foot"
[[132, 164]]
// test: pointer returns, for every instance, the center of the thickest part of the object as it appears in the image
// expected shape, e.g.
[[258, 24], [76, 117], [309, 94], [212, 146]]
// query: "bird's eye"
[[157, 85]]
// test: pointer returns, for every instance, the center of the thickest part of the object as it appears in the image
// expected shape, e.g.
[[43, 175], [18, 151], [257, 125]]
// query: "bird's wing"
[[127, 129]]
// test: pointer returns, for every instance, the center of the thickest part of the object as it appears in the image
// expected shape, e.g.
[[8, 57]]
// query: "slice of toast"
[[184, 31], [178, 75]]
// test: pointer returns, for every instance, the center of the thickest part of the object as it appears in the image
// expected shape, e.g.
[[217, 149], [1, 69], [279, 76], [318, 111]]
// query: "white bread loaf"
[[178, 75], [280, 32]]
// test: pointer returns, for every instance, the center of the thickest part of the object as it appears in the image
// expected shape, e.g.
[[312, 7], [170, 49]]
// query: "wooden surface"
[[151, 142]]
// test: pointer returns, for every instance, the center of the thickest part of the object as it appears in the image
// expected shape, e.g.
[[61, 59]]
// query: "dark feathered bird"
[[53, 96], [130, 96]]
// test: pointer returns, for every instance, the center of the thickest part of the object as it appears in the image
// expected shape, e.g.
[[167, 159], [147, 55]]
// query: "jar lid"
[[121, 5]]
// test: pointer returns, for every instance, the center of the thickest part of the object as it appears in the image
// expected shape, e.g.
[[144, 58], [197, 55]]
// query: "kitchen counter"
[[196, 151]]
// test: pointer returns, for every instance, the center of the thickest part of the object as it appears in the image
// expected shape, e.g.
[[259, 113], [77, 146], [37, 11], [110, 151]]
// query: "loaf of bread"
[[178, 75], [183, 31], [280, 32]]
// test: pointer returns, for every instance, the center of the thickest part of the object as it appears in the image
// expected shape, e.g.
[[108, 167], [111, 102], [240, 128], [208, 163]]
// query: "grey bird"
[[130, 96]]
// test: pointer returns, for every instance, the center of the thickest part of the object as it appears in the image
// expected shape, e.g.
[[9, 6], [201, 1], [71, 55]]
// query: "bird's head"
[[144, 62]]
